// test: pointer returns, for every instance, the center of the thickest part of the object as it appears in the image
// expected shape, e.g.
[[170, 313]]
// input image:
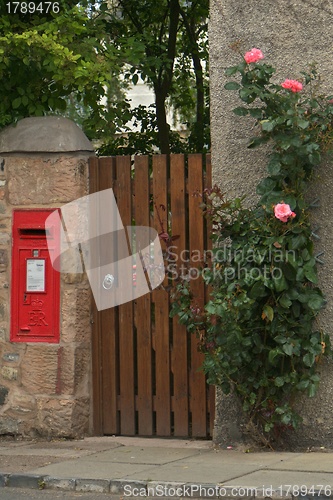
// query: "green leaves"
[[274, 167], [247, 95], [285, 302], [258, 290], [287, 349], [273, 356], [303, 124], [315, 300], [44, 60], [310, 272], [280, 282], [309, 359], [266, 185], [232, 70], [279, 381], [267, 126], [268, 312], [256, 113], [241, 111], [17, 102], [232, 86]]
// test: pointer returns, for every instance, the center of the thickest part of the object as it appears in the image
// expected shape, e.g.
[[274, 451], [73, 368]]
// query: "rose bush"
[[260, 331]]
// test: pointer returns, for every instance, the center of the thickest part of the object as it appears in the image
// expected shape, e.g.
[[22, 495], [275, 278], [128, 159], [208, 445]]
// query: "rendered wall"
[[45, 389], [291, 34]]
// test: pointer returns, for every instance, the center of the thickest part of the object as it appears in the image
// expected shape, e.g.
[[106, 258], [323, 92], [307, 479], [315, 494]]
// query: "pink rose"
[[292, 85], [253, 56], [283, 211]]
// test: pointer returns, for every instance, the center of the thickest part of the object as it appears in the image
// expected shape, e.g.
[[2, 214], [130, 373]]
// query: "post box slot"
[[33, 233]]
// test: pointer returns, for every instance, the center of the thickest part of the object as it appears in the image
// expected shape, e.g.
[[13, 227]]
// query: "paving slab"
[[312, 462], [196, 473], [219, 457], [276, 479], [153, 442], [21, 464], [147, 455], [34, 452], [90, 445], [87, 470]]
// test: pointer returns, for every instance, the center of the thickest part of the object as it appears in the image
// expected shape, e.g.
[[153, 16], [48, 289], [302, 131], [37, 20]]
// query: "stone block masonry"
[[45, 389]]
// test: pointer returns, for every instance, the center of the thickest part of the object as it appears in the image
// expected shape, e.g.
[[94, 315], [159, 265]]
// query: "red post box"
[[35, 284]]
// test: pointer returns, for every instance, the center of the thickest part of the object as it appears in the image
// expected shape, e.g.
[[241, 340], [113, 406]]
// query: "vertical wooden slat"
[[179, 348], [143, 308], [125, 311], [96, 330], [108, 321], [196, 244], [161, 300]]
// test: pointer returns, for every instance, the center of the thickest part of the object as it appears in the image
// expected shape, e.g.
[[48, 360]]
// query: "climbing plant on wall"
[[260, 331]]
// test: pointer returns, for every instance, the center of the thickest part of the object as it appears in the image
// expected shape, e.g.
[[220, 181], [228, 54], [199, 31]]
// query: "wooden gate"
[[146, 367]]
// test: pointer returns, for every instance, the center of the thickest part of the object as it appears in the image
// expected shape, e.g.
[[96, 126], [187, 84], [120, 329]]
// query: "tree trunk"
[[162, 124], [199, 126], [199, 80], [164, 79]]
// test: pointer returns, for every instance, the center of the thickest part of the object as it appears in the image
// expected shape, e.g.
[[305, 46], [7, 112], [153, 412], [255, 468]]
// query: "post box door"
[[35, 287]]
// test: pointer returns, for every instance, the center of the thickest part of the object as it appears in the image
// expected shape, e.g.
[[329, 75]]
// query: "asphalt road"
[[23, 494], [31, 494]]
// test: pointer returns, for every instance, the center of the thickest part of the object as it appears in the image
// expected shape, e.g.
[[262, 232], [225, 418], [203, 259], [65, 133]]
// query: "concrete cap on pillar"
[[45, 134]]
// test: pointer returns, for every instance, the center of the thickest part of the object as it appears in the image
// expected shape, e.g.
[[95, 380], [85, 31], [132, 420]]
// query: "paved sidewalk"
[[163, 468]]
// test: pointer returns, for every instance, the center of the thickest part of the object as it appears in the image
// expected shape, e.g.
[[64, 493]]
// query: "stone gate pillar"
[[45, 389], [291, 34]]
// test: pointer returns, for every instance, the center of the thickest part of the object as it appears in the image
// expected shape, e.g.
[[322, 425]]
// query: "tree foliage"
[[79, 62], [166, 46], [47, 58]]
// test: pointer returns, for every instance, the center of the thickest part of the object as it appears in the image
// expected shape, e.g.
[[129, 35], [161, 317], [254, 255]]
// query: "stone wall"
[[291, 34], [45, 389]]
